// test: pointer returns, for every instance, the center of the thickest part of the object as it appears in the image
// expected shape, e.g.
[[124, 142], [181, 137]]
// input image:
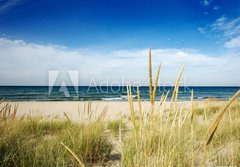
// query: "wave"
[[126, 97], [112, 99], [122, 97], [210, 97]]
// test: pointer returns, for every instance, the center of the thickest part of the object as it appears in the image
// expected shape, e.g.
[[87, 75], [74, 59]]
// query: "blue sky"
[[94, 28], [116, 23]]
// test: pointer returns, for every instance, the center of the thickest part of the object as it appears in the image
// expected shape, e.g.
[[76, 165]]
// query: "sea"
[[105, 93]]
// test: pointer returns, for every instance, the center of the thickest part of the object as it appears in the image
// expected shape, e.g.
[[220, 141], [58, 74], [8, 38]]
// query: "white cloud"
[[224, 29], [205, 2], [201, 30], [28, 64], [216, 7], [233, 43], [220, 24], [8, 4], [223, 25], [228, 27]]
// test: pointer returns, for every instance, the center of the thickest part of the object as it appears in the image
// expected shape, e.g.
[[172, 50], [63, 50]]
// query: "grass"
[[38, 142], [117, 126], [183, 136]]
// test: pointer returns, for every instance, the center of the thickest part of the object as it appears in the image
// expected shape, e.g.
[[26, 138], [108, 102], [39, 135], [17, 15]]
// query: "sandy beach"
[[76, 110], [53, 109]]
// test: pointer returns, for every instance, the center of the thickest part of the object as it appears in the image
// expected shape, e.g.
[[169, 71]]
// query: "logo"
[[65, 81]]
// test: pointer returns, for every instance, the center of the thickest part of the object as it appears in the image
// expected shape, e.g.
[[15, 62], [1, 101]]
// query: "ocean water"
[[84, 93]]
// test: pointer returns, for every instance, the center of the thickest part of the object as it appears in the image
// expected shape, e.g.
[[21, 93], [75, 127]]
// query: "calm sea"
[[84, 93]]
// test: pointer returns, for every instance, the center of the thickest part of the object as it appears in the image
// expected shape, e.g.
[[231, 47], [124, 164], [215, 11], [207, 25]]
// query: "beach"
[[116, 109], [76, 109], [36, 100]]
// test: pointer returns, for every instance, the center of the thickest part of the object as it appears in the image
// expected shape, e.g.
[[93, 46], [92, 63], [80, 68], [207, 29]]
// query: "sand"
[[75, 109]]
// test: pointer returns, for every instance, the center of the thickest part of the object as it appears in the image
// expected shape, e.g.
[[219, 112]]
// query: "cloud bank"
[[25, 63]]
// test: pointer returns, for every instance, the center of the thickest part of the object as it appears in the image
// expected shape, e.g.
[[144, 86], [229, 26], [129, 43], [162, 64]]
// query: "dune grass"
[[117, 126], [182, 136], [38, 142]]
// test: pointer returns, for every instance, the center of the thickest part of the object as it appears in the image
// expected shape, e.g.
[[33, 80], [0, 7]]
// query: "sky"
[[107, 41]]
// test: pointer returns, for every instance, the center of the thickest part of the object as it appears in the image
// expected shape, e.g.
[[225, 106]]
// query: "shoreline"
[[134, 100]]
